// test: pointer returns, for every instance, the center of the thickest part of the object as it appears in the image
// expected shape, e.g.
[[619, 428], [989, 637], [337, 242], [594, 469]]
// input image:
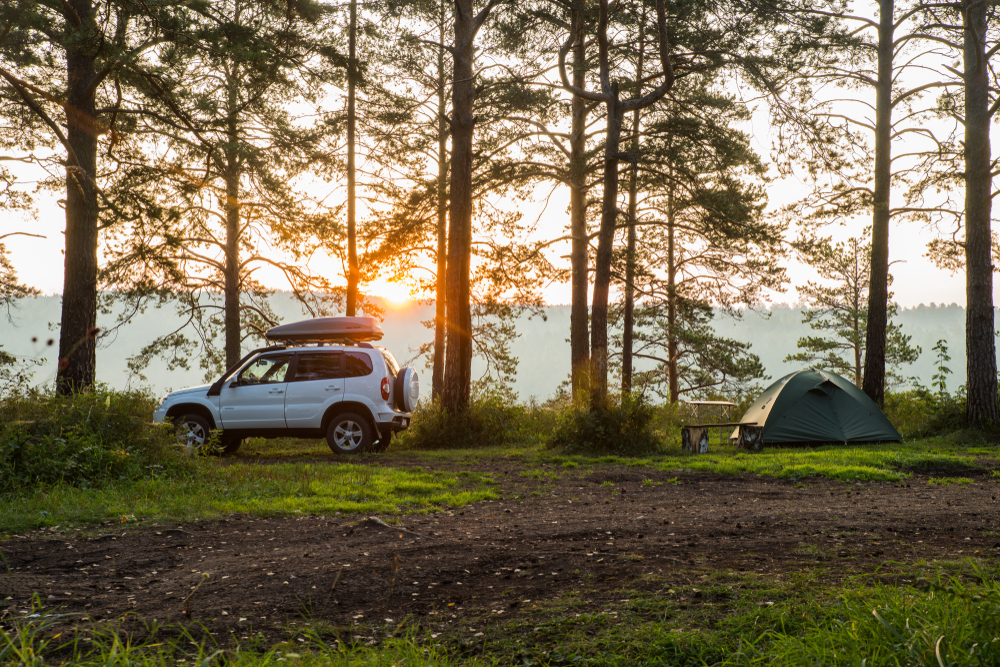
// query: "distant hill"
[[542, 348]]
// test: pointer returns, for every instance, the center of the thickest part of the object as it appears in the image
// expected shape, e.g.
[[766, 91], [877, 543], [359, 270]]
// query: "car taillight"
[[385, 389]]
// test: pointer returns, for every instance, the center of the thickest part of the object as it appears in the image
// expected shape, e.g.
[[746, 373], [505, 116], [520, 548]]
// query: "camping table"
[[694, 437], [706, 411]]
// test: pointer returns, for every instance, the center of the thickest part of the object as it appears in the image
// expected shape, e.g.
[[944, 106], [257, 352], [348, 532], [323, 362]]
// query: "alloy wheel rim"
[[348, 435], [191, 435]]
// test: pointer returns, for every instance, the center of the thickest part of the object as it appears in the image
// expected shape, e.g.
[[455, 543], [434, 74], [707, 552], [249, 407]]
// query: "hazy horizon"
[[542, 347]]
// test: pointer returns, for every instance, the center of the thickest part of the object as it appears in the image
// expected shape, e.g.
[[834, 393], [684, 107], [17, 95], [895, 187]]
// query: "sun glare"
[[395, 293]]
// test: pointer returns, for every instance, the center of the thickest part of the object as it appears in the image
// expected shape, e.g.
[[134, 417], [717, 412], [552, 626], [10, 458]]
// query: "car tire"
[[230, 444], [193, 432], [349, 433], [383, 442]]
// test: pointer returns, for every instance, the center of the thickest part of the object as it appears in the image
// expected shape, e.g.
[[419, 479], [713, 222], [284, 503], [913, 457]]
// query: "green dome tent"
[[818, 406]]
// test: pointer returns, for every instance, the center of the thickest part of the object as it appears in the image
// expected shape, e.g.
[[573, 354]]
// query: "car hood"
[[200, 389]]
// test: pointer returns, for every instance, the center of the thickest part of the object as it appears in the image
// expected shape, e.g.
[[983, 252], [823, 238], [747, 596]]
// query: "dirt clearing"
[[590, 530]]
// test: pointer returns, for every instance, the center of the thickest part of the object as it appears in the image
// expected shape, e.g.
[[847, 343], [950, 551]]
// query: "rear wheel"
[[230, 444], [383, 442], [349, 433]]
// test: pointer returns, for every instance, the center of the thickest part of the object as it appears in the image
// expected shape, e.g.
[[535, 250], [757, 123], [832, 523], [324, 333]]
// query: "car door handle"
[[277, 391], [333, 388]]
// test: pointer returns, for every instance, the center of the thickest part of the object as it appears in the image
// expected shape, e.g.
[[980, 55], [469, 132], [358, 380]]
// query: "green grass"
[[950, 481], [851, 463], [936, 614], [287, 477], [221, 488]]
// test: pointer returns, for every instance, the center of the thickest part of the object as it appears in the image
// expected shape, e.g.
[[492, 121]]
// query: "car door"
[[359, 385], [317, 384], [255, 399]]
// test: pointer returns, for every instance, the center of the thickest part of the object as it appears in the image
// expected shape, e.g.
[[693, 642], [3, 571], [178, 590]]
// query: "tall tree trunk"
[[873, 379], [672, 375], [633, 187], [602, 260], [458, 370], [440, 311], [231, 270], [857, 350], [981, 365], [77, 345], [353, 274], [579, 252], [628, 323]]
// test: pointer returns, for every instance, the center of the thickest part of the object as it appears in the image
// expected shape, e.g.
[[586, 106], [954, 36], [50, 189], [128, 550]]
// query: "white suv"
[[325, 379]]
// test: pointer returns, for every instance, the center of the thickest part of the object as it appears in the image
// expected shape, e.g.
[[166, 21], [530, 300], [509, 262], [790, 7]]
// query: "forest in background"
[[541, 346], [203, 144]]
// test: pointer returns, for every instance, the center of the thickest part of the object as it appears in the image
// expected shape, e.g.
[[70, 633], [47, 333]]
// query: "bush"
[[625, 429], [491, 421], [919, 413], [84, 440]]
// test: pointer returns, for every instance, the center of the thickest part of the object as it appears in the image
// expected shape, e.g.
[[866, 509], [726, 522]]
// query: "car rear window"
[[325, 366], [358, 364], [390, 362]]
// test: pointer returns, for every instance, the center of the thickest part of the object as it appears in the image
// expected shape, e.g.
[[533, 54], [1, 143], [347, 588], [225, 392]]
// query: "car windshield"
[[390, 362]]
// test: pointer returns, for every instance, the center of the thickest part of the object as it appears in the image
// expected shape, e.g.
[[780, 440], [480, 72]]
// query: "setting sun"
[[395, 293]]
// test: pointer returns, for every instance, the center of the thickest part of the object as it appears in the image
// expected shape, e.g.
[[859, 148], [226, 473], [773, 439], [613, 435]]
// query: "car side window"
[[324, 366], [358, 364], [265, 370]]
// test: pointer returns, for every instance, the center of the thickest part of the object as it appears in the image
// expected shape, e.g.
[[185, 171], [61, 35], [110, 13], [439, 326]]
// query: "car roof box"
[[328, 330]]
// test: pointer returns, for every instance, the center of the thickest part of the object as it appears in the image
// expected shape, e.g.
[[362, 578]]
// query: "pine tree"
[[225, 152], [701, 243], [839, 310], [60, 67]]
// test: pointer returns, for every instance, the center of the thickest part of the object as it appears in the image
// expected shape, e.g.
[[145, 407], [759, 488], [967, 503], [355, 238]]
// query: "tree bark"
[[672, 374], [579, 252], [77, 338], [458, 369], [602, 260], [628, 323], [440, 311], [633, 186], [981, 365], [231, 268], [353, 275], [873, 378]]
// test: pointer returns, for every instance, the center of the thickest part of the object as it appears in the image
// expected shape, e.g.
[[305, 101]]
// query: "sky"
[[38, 261], [916, 280]]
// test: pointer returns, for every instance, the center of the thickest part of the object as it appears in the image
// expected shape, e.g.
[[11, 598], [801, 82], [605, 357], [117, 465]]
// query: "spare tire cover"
[[406, 390]]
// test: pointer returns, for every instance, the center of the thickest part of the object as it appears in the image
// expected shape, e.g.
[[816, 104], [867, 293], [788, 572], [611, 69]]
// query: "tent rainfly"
[[818, 406]]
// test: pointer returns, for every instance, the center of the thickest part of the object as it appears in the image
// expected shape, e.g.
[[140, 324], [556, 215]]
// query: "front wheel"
[[192, 432], [349, 433]]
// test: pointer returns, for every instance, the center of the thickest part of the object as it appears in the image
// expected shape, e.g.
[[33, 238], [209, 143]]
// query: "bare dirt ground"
[[491, 559]]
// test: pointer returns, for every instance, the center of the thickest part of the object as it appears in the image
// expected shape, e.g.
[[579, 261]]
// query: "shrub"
[[491, 421], [919, 412], [84, 440], [623, 429]]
